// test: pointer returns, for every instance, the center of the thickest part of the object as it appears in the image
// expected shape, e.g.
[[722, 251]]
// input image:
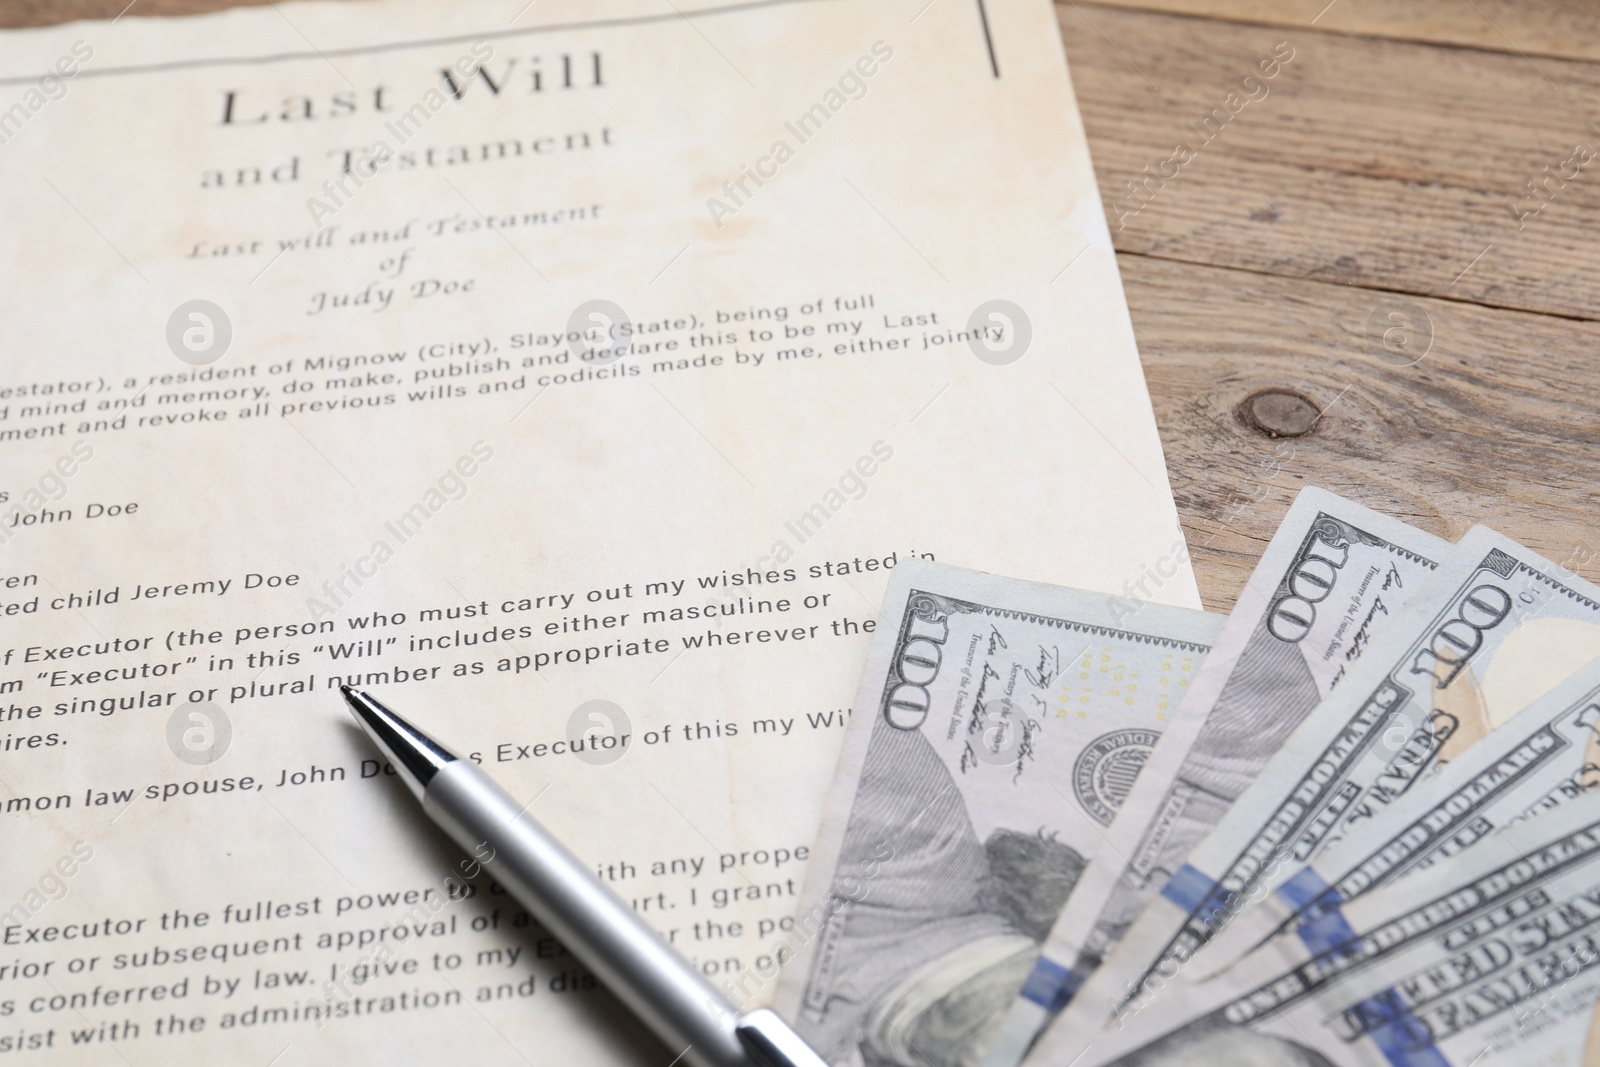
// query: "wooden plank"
[[17, 13], [1377, 163], [1494, 424], [1565, 28]]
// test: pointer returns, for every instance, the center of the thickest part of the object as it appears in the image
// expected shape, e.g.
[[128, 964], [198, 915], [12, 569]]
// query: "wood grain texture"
[[1486, 428], [16, 13], [1566, 28], [1375, 163]]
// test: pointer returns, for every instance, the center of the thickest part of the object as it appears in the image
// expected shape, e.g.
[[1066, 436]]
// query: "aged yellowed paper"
[[568, 374]]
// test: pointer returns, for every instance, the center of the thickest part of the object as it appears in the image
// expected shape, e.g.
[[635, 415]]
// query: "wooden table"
[[1377, 273]]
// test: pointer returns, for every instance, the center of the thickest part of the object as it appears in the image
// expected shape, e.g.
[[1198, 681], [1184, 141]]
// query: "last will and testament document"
[[570, 375]]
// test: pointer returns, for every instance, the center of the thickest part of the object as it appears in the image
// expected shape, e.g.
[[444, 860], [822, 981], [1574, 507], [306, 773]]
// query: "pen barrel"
[[558, 889]]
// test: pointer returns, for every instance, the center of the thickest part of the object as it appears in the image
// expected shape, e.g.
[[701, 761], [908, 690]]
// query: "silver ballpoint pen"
[[636, 963]]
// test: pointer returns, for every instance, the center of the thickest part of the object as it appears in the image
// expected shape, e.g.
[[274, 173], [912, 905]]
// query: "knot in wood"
[[1280, 413]]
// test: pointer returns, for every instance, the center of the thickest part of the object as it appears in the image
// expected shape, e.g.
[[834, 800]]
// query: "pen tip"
[[414, 754]]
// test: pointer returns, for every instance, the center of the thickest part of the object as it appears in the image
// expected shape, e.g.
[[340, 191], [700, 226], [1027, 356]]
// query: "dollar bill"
[[1547, 755], [1332, 577], [998, 727], [1492, 959], [1494, 628]]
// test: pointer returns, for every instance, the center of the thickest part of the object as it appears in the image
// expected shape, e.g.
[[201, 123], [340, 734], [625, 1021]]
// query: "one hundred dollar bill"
[[1492, 959], [1494, 628], [1333, 576], [999, 726], [1547, 755]]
